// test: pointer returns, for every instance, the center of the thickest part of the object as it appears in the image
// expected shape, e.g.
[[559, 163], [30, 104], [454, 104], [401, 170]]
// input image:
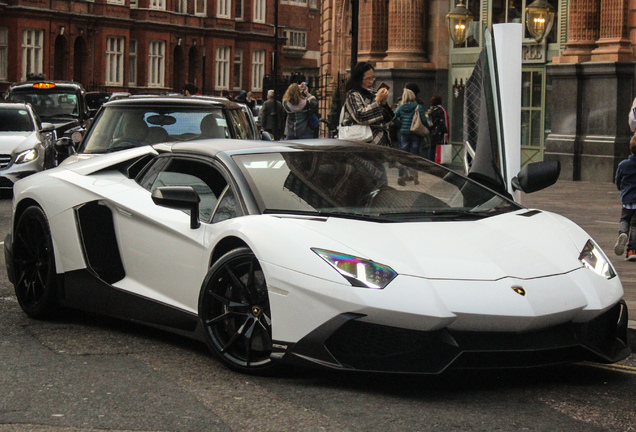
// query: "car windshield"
[[50, 105], [365, 184], [120, 127], [16, 120]]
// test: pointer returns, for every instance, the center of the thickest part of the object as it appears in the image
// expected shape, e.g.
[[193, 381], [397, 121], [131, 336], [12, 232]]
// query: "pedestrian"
[[241, 97], [626, 182], [409, 142], [424, 141], [416, 90], [272, 116], [632, 117], [190, 89], [438, 121], [250, 101], [226, 94], [299, 105], [364, 106]]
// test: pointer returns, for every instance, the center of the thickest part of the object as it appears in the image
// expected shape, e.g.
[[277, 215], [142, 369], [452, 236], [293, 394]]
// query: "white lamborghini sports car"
[[310, 252]]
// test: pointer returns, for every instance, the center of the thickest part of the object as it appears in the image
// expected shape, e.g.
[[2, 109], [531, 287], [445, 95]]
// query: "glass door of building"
[[532, 115]]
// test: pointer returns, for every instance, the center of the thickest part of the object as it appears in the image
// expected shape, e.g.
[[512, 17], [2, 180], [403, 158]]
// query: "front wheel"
[[34, 262], [234, 309]]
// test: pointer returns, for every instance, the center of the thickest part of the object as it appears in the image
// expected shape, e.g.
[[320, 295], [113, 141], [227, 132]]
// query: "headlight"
[[26, 156], [358, 271], [594, 259]]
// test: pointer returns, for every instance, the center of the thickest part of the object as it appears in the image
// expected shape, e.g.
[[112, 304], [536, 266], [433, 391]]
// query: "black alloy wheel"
[[34, 262], [234, 310]]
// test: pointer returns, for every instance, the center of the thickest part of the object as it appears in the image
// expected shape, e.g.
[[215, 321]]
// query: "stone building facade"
[[577, 87], [157, 46]]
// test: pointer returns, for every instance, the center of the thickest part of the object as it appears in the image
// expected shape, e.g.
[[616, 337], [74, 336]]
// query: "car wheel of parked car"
[[234, 310], [34, 261]]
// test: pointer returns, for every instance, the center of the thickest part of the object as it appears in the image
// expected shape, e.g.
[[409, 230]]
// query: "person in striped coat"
[[363, 105]]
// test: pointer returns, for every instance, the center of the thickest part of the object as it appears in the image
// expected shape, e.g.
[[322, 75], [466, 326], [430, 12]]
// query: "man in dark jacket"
[[270, 110]]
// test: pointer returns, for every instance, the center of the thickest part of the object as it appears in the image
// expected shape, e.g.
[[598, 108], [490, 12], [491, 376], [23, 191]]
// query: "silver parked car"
[[26, 144]]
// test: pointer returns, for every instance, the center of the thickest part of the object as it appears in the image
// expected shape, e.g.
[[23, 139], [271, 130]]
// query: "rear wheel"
[[234, 309], [34, 261]]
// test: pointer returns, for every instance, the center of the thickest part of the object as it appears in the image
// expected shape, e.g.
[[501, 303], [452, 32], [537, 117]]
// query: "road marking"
[[616, 368]]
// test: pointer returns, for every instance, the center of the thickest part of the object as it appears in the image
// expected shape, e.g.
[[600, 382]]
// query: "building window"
[[259, 10], [182, 6], [223, 68], [132, 63], [158, 4], [238, 9], [134, 4], [117, 2], [258, 69], [114, 61], [531, 108], [156, 63], [237, 80], [200, 7], [4, 49], [223, 8], [313, 4], [297, 2], [295, 39], [32, 52]]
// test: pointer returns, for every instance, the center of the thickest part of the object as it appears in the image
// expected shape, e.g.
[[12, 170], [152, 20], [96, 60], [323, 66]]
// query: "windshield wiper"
[[440, 214], [339, 214], [62, 116]]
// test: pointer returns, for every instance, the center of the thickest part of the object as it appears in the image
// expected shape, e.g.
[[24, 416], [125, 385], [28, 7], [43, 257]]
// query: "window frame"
[[260, 11], [258, 69], [224, 9], [156, 63], [132, 61], [238, 69], [4, 53], [157, 5], [32, 52], [114, 71], [222, 67]]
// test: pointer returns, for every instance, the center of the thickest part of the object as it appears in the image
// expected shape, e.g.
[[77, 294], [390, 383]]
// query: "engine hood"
[[10, 141], [522, 245]]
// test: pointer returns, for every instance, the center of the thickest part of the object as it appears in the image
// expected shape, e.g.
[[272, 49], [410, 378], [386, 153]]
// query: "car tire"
[[34, 262], [235, 313]]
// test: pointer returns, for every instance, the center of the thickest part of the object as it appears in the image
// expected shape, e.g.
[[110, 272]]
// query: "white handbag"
[[357, 132]]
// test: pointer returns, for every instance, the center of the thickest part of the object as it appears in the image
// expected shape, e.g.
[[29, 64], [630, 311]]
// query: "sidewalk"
[[595, 207]]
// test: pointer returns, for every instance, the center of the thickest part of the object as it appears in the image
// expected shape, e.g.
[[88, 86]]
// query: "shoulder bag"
[[417, 127], [356, 132]]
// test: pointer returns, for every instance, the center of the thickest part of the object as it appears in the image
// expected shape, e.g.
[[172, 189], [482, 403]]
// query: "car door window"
[[227, 207], [206, 180], [241, 124]]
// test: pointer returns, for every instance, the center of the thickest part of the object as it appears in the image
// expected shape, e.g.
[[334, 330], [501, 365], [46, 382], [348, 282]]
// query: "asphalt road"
[[90, 373]]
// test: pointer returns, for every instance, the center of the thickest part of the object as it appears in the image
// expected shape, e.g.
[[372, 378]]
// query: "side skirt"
[[82, 290]]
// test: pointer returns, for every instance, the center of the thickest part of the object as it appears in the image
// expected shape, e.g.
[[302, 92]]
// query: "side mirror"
[[266, 136], [64, 147], [536, 176], [179, 198], [47, 127]]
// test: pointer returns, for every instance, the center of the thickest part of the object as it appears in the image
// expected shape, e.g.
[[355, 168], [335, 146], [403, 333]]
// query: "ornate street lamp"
[[539, 19], [459, 21]]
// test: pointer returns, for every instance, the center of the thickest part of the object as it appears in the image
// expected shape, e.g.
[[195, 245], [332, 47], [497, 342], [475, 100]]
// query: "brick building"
[[157, 46], [577, 84]]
